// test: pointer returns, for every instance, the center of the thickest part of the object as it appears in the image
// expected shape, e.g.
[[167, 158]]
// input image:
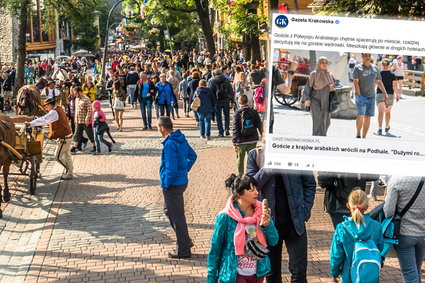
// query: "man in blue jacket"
[[290, 195], [176, 161]]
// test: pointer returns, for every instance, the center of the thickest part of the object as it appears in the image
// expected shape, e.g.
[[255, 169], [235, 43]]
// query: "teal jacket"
[[343, 244], [222, 261]]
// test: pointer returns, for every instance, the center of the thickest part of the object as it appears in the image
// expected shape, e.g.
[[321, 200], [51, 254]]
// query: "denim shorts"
[[365, 106]]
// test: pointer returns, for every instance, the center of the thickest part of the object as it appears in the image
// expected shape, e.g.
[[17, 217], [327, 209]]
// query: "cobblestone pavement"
[[107, 224]]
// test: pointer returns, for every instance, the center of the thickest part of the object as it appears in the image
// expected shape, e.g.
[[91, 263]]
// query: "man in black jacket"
[[223, 91], [338, 187], [145, 94], [7, 87], [246, 124], [131, 79]]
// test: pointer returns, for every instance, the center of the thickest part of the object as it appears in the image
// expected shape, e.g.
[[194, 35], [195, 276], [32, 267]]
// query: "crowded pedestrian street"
[[239, 141], [107, 223]]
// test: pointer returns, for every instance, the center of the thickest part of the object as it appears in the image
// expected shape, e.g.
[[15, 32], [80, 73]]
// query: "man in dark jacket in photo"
[[223, 91], [290, 195], [177, 159], [246, 125], [145, 94]]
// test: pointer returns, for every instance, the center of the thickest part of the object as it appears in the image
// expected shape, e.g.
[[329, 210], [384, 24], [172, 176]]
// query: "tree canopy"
[[373, 8]]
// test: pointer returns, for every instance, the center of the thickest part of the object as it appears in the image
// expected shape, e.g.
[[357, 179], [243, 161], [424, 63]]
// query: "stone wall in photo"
[[8, 37]]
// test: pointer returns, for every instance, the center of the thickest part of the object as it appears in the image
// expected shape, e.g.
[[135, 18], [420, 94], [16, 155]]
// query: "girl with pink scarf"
[[100, 127], [230, 259]]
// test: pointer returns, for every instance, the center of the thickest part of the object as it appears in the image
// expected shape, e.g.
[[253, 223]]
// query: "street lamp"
[[130, 13]]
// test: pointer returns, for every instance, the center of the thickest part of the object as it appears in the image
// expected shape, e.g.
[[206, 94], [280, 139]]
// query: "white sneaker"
[[67, 176]]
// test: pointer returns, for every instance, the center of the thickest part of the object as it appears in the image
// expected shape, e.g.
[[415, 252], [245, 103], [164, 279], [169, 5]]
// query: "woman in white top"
[[398, 70]]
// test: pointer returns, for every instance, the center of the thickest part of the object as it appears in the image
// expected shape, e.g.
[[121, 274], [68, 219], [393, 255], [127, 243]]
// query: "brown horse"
[[28, 101], [7, 134]]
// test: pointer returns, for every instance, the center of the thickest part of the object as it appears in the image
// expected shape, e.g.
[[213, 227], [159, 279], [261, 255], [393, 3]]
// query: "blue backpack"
[[366, 260]]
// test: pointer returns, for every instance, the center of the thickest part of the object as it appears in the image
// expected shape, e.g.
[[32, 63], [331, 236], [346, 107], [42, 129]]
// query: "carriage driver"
[[60, 131], [50, 91]]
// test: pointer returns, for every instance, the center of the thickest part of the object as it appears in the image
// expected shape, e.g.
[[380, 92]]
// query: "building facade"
[[42, 41]]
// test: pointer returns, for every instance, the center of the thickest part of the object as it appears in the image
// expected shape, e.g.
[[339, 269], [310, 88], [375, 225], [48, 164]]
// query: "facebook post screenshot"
[[344, 95]]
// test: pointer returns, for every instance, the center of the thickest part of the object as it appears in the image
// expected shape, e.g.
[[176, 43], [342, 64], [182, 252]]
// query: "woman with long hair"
[[118, 103]]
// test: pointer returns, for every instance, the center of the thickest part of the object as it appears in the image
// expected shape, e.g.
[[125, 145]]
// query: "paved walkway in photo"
[[108, 225]]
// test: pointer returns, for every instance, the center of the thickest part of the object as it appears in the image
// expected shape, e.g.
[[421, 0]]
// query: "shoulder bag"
[[196, 103], [390, 226]]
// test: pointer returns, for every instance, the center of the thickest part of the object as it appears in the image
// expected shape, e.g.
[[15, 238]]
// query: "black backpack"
[[132, 78], [248, 128], [223, 89]]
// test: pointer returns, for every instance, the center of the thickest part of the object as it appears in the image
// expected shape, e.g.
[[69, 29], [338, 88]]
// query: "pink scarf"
[[239, 236]]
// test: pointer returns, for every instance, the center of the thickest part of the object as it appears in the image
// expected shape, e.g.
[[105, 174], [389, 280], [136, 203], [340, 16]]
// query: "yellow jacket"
[[90, 92]]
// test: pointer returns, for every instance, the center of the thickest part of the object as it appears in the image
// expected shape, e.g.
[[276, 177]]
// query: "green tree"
[[81, 15], [195, 10], [74, 10], [371, 8], [245, 22]]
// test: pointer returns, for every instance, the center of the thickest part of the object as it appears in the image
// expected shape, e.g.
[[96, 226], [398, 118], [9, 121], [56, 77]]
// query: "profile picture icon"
[[281, 21]]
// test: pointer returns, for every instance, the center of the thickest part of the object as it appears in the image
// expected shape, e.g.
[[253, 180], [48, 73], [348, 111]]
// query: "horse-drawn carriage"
[[22, 146], [27, 151]]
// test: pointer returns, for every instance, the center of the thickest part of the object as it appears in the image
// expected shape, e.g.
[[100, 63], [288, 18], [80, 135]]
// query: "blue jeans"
[[130, 91], [165, 109], [219, 108], [186, 105], [156, 107], [205, 124], [146, 109], [98, 139], [411, 254]]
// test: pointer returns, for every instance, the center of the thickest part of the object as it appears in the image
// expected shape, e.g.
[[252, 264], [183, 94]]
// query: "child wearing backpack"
[[357, 243], [246, 125]]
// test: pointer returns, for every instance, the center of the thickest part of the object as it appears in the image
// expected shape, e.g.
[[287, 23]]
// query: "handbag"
[[254, 249], [196, 103], [333, 102], [118, 104], [390, 226]]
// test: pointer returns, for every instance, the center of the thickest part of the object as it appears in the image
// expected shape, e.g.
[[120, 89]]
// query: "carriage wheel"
[[33, 175], [285, 99]]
